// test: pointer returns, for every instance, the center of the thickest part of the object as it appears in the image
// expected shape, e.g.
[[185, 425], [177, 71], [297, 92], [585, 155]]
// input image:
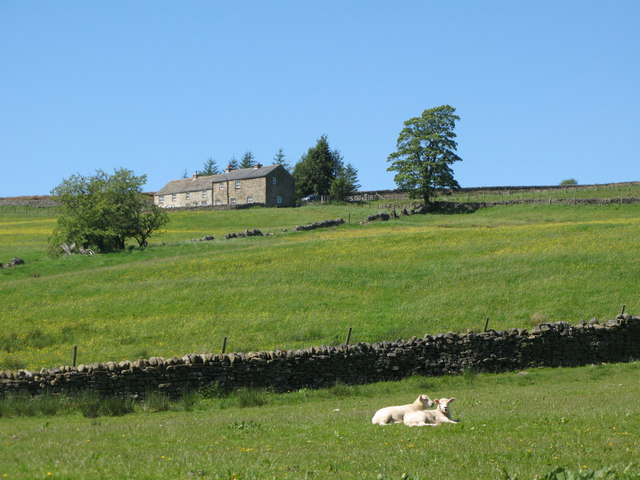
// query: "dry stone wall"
[[323, 224], [549, 344]]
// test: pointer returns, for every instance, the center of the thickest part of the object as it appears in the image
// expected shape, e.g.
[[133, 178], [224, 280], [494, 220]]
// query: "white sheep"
[[431, 418], [396, 414]]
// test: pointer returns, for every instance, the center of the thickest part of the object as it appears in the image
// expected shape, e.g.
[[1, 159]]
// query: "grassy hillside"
[[610, 191], [516, 425], [518, 265]]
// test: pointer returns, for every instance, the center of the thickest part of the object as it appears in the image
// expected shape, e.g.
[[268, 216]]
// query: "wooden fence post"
[[348, 336], [486, 324], [224, 345], [75, 354]]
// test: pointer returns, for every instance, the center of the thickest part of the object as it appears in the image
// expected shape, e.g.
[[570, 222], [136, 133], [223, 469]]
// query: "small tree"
[[569, 182], [317, 169], [279, 159], [247, 160], [103, 210], [233, 164], [145, 222], [210, 167], [345, 184], [425, 149]]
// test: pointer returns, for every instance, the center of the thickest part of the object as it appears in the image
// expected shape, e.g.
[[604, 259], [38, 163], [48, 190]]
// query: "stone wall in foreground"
[[549, 344]]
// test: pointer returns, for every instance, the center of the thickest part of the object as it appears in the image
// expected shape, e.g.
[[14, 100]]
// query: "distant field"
[[514, 425], [516, 265], [613, 192]]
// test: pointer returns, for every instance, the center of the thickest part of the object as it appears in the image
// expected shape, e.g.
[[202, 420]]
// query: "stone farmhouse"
[[271, 186]]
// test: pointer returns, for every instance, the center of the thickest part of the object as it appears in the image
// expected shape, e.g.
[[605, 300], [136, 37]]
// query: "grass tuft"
[[156, 402]]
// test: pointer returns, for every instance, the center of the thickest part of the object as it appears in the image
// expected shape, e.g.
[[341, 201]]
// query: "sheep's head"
[[443, 404], [425, 401]]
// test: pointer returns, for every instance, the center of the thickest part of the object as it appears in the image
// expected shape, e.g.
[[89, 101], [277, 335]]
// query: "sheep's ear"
[[437, 400], [452, 399]]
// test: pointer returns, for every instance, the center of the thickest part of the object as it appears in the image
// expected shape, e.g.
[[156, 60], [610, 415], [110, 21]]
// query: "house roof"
[[201, 183]]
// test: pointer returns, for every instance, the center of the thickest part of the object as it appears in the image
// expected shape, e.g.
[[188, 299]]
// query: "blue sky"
[[545, 90]]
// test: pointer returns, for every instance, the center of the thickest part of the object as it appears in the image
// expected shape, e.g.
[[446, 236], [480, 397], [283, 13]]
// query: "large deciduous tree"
[[317, 169], [425, 150], [103, 210]]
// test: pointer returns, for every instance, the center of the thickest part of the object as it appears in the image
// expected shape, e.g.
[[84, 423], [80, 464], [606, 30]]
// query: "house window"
[[233, 201], [274, 180], [218, 202], [205, 203], [161, 198], [250, 199], [174, 197], [195, 204], [204, 194], [238, 184], [278, 199], [221, 186], [188, 195]]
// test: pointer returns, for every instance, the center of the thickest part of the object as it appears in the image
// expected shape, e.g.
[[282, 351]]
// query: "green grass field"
[[611, 192], [514, 425], [516, 265]]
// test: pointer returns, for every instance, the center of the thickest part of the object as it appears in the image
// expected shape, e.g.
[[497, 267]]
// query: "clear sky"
[[545, 90]]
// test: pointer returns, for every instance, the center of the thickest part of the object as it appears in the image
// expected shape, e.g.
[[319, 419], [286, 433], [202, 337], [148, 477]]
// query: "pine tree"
[[233, 164], [210, 167], [247, 160], [317, 169], [279, 159], [345, 184]]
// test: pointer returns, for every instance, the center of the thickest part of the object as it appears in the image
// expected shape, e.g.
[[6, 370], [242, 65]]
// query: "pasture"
[[516, 265], [609, 192], [513, 425]]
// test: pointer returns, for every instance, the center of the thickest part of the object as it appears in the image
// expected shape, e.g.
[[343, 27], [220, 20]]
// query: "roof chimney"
[[228, 169], [257, 165], [195, 174]]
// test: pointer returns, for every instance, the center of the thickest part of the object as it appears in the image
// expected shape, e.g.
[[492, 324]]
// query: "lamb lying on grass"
[[431, 418], [396, 414]]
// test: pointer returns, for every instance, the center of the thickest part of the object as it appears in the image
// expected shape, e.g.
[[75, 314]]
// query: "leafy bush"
[[568, 182]]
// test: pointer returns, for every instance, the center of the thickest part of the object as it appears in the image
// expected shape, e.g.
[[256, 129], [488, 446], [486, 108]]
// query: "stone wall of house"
[[193, 198], [253, 189], [549, 344], [283, 187]]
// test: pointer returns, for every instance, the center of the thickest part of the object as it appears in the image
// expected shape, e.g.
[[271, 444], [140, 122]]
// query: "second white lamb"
[[431, 418]]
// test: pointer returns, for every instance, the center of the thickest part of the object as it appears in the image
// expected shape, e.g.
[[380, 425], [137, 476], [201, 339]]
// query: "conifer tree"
[[247, 160], [345, 184], [210, 167], [317, 169]]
